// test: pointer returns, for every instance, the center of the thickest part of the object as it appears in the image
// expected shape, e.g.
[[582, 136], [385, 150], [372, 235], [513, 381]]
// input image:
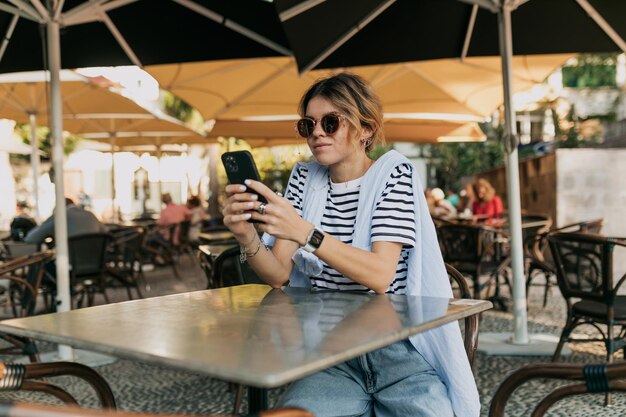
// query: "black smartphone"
[[239, 167]]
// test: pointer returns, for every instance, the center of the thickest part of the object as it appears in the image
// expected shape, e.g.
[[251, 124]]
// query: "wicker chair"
[[15, 377], [33, 410], [24, 276], [584, 271], [470, 337], [597, 379]]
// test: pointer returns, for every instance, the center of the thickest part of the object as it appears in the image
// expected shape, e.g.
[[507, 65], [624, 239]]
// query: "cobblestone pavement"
[[143, 387]]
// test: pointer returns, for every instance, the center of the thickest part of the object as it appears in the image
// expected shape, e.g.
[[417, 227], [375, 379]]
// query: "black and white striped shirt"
[[393, 221]]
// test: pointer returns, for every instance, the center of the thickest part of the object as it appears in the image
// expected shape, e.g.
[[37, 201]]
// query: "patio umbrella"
[[383, 31], [234, 89], [282, 132], [113, 32]]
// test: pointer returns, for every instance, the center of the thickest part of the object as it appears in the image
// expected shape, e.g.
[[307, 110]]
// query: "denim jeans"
[[392, 381]]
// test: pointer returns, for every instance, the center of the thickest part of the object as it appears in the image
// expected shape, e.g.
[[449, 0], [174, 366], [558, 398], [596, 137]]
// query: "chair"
[[229, 271], [36, 410], [124, 259], [474, 250], [24, 275], [470, 337], [87, 255], [584, 270], [597, 379], [184, 245], [539, 259], [12, 249], [16, 377]]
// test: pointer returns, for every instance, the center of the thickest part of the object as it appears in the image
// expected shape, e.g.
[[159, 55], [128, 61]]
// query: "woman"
[[487, 206], [347, 223], [198, 216]]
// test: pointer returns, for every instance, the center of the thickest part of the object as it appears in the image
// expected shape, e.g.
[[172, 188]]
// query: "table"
[[248, 334], [216, 236]]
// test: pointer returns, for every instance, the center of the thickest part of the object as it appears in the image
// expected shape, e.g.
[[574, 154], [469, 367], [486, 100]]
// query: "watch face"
[[316, 238]]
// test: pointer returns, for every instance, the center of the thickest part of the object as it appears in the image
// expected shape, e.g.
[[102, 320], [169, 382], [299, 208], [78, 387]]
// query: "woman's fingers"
[[262, 189]]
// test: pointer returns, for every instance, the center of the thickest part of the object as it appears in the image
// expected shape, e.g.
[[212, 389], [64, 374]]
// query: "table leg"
[[257, 399]]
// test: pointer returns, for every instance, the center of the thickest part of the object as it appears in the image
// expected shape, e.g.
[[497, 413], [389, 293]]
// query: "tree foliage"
[[591, 71], [456, 160], [43, 138]]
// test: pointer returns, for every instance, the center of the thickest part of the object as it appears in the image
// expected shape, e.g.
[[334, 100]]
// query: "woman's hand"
[[236, 212], [279, 218]]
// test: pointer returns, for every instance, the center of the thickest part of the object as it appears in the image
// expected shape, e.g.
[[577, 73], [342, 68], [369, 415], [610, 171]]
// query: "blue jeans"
[[392, 381]]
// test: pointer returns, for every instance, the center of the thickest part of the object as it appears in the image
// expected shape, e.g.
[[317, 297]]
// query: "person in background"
[[171, 214], [22, 223], [488, 205], [442, 207], [452, 197], [198, 216], [79, 222], [466, 199]]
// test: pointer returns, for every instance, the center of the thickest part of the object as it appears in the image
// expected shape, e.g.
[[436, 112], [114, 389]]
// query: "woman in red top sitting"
[[487, 206]]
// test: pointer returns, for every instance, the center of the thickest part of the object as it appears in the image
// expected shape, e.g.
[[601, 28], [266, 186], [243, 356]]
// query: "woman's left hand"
[[278, 217]]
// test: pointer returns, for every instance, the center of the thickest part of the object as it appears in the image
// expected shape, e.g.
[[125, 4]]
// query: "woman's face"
[[329, 149], [482, 191]]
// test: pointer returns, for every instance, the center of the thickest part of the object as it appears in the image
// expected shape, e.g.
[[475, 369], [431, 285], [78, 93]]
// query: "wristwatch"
[[314, 240]]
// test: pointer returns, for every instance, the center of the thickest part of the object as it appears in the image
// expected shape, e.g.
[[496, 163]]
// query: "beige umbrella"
[[236, 89], [282, 132]]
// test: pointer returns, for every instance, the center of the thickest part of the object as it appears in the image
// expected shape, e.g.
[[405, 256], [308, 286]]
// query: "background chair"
[[125, 259], [24, 276], [17, 377], [538, 258], [597, 379], [36, 410], [229, 271], [584, 271], [87, 255], [474, 251], [470, 336]]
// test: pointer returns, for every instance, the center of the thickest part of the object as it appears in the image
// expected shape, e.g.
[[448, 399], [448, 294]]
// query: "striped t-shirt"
[[393, 221]]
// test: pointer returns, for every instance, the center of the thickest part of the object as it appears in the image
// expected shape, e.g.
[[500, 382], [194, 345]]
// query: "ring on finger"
[[261, 208]]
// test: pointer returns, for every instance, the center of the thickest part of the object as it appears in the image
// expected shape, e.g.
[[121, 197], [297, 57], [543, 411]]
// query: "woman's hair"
[[193, 201], [355, 99], [481, 182]]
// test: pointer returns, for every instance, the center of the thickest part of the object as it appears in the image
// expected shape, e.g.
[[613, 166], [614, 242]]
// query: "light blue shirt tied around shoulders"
[[441, 347]]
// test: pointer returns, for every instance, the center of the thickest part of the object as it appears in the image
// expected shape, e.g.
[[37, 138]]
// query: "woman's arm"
[[374, 269]]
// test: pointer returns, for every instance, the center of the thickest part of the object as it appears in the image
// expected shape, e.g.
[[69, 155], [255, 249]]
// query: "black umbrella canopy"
[[368, 32], [155, 31]]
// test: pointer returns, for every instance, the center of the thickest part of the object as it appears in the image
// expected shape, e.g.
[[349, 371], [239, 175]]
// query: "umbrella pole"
[[60, 215], [512, 178], [520, 343], [113, 216], [34, 161]]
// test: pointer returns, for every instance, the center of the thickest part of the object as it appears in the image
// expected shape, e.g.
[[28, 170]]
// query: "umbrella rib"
[[242, 30], [120, 39], [349, 34], [470, 30], [485, 4], [298, 9], [8, 34], [22, 12], [43, 12], [24, 6], [604, 25]]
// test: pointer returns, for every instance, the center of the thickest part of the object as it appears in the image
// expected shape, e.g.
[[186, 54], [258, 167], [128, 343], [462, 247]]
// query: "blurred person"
[[452, 197], [466, 200], [442, 207], [22, 223], [79, 222], [349, 223], [487, 206], [197, 218], [171, 214]]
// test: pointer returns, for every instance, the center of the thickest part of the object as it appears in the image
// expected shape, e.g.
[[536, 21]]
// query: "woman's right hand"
[[236, 211]]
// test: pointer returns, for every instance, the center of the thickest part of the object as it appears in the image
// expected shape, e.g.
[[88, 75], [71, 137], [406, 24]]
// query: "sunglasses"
[[330, 124]]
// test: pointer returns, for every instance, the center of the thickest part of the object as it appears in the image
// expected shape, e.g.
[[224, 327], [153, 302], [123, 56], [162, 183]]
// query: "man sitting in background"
[[79, 222]]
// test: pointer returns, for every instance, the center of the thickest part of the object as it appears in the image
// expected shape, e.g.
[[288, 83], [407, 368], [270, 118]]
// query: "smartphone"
[[239, 167]]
